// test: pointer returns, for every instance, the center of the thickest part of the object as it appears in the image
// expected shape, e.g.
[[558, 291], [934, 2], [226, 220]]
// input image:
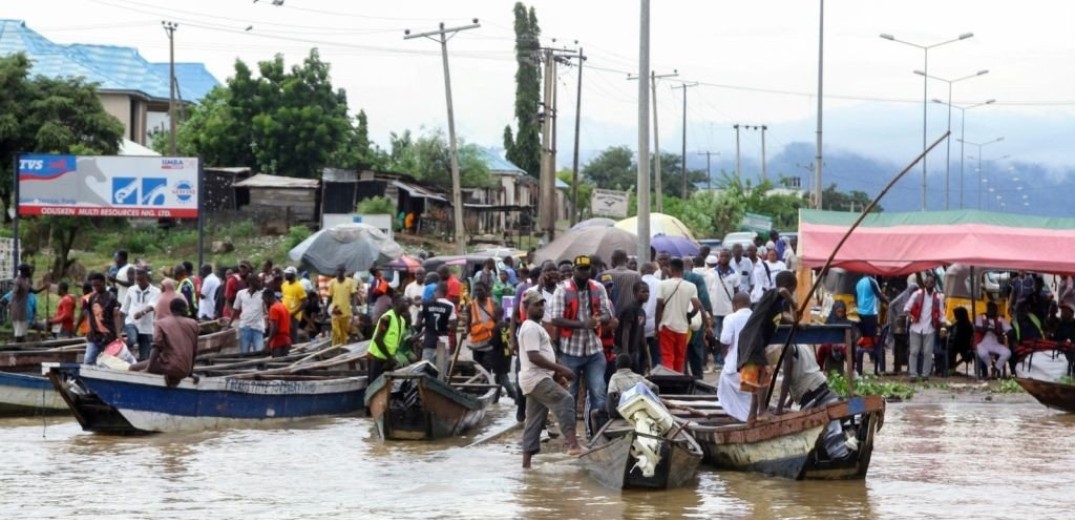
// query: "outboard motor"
[[651, 420]]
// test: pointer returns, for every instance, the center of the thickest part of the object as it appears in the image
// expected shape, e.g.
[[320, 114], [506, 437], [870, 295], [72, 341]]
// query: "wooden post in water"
[[848, 336]]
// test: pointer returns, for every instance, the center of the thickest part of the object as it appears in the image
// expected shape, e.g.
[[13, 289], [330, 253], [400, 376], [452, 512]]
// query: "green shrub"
[[377, 206], [296, 235], [867, 385]]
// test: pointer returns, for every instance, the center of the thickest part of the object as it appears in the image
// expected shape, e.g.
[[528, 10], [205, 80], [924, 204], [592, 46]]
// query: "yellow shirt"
[[341, 294], [293, 296]]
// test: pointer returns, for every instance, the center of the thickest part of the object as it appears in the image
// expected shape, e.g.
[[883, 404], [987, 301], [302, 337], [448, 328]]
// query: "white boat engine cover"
[[648, 416]]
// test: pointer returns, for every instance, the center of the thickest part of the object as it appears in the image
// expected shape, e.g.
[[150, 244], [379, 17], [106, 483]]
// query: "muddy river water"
[[947, 460]]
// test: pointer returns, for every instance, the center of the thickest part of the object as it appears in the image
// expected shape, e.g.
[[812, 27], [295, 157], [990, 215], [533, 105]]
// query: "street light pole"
[[948, 154], [442, 35], [925, 92], [169, 27], [962, 134]]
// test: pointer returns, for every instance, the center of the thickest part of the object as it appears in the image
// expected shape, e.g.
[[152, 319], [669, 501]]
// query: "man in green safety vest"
[[388, 338]]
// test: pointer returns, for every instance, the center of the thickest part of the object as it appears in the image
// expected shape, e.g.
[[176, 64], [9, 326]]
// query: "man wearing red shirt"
[[235, 283], [455, 288], [65, 313], [279, 331]]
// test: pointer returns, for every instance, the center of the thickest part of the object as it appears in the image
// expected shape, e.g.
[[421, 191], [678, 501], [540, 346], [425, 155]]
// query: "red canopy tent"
[[902, 243]]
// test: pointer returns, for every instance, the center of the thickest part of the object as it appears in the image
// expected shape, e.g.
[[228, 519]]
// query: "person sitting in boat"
[[776, 305], [990, 332], [830, 356], [1026, 327], [733, 399], [624, 379], [1064, 332], [806, 384], [175, 343], [543, 381]]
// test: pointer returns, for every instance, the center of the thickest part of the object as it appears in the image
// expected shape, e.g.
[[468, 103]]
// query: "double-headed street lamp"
[[980, 145], [948, 154], [962, 131], [925, 92]]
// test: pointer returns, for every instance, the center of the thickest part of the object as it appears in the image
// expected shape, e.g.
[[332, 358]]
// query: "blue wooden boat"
[[25, 391], [121, 402], [23, 395]]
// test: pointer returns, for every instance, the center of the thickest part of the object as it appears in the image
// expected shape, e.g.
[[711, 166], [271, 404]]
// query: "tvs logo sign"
[[172, 164], [184, 191]]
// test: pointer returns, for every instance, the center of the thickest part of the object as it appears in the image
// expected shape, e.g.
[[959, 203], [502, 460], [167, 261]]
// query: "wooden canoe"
[[24, 390], [788, 445], [412, 403], [608, 459], [123, 402], [28, 359], [1058, 396]]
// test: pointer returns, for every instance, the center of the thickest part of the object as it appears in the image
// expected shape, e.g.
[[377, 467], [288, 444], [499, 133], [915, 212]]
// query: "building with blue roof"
[[131, 88]]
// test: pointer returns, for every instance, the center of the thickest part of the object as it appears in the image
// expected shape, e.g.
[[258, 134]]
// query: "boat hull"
[[1057, 396], [611, 463], [790, 446], [419, 406], [136, 402], [28, 394]]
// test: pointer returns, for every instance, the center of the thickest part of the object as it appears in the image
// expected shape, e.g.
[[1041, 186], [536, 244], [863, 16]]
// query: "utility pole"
[[820, 90], [643, 230], [657, 184], [708, 168], [575, 159], [548, 157], [685, 86], [442, 35], [738, 168], [169, 28], [761, 128]]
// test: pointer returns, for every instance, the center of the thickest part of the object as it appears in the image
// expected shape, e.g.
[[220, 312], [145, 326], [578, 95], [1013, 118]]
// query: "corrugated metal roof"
[[419, 191], [264, 180], [498, 165], [111, 67]]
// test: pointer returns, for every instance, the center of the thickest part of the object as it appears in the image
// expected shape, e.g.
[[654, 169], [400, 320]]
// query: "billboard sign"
[[609, 203], [108, 186]]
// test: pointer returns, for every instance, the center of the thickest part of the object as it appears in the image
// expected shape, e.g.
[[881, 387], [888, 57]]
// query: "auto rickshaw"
[[840, 286], [957, 292]]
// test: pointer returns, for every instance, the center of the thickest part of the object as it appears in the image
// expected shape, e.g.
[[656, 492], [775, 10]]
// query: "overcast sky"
[[756, 62]]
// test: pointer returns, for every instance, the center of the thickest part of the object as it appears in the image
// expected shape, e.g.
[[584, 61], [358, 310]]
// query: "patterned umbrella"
[[659, 224], [355, 246]]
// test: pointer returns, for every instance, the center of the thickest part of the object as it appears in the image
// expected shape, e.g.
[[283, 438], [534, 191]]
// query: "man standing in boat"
[[280, 322], [539, 376], [137, 308], [731, 396], [754, 371], [806, 384], [104, 317], [580, 306]]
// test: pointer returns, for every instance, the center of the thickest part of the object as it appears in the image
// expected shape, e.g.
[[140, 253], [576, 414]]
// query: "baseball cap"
[[291, 270], [532, 296], [711, 260], [582, 261]]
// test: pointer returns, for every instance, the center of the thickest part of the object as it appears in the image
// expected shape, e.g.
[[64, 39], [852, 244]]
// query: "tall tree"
[[835, 200], [428, 157], [525, 149], [284, 121], [355, 150], [672, 176], [613, 169], [48, 115]]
